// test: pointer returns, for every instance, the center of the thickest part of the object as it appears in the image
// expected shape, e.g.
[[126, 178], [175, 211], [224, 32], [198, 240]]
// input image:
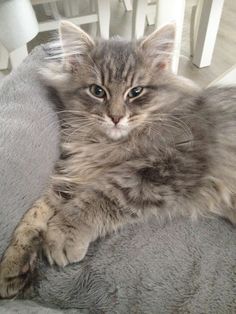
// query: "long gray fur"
[[174, 267]]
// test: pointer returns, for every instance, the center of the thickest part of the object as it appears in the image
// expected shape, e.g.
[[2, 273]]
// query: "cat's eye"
[[97, 91], [134, 92]]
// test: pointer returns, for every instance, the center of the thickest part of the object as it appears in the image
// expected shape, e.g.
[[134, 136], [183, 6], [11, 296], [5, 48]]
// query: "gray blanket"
[[169, 267]]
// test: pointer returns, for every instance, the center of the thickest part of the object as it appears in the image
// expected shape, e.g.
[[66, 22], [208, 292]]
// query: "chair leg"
[[4, 57], [66, 9], [54, 9], [47, 9], [18, 55], [172, 11], [139, 17], [70, 8], [104, 17], [151, 14], [74, 7], [193, 23], [208, 15], [93, 27], [128, 5]]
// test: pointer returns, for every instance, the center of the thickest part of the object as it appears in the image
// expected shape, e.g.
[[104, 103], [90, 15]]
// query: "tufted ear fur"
[[73, 46], [158, 46], [74, 39], [74, 42]]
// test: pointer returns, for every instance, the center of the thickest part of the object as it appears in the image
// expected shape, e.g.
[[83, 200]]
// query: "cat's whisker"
[[70, 48], [75, 114], [173, 120], [80, 130], [58, 123], [71, 111], [52, 115], [78, 126], [159, 130], [161, 139], [170, 133], [50, 126], [174, 124], [180, 121], [78, 122], [58, 120]]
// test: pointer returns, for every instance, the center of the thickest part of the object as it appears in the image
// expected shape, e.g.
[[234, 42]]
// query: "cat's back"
[[219, 104], [220, 99], [210, 113]]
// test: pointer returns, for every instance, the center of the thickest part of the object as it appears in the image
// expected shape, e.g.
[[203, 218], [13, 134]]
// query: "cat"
[[137, 142]]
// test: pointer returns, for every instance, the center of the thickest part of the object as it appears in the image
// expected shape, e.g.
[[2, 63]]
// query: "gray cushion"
[[172, 267]]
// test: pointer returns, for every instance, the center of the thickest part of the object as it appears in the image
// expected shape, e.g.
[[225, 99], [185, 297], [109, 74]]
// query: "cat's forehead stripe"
[[114, 58], [117, 69]]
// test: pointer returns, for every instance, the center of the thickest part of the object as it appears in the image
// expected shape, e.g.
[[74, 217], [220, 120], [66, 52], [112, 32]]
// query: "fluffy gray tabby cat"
[[137, 141]]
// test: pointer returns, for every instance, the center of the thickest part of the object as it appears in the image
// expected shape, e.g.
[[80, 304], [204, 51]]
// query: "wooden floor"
[[224, 55], [225, 50]]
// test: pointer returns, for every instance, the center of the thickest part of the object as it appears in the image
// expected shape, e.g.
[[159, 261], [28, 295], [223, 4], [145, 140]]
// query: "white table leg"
[[18, 55], [104, 14], [208, 16], [172, 11], [128, 5], [4, 57], [139, 17]]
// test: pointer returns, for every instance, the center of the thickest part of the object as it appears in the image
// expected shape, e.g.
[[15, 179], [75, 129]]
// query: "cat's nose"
[[115, 119]]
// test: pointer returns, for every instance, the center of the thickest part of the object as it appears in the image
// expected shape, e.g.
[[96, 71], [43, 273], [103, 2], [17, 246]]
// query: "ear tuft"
[[159, 45], [74, 41]]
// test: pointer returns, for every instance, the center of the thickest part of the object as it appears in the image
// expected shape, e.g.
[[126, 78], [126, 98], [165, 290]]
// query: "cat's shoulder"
[[220, 93]]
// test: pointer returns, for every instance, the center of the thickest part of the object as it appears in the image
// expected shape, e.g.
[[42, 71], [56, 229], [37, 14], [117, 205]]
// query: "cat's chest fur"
[[95, 163], [85, 162]]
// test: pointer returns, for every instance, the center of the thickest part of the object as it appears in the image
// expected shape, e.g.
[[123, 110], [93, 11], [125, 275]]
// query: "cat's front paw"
[[64, 245], [15, 271]]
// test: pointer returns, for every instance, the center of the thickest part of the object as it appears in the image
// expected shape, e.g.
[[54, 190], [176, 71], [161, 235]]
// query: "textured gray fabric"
[[174, 267], [30, 307]]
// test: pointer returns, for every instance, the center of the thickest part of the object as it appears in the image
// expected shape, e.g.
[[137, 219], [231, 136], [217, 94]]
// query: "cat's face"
[[113, 84]]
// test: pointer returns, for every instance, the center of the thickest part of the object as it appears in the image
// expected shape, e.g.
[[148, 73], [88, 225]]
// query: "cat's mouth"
[[116, 131]]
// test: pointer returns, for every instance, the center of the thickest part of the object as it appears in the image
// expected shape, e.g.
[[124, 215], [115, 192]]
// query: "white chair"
[[166, 11], [206, 20], [101, 14], [206, 17], [18, 23], [128, 5], [15, 32]]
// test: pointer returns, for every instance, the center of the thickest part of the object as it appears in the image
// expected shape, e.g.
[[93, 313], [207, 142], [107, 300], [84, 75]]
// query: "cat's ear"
[[158, 46], [73, 48], [74, 41]]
